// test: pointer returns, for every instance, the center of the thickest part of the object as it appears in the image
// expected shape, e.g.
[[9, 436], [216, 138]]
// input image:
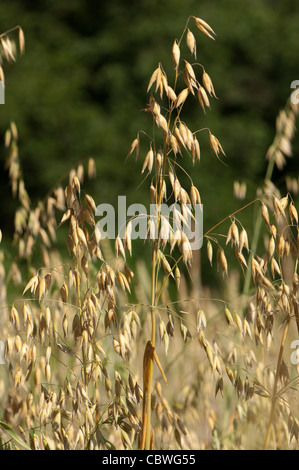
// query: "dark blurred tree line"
[[80, 88]]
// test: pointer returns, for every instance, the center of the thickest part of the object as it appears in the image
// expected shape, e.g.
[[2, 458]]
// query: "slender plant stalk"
[[274, 392]]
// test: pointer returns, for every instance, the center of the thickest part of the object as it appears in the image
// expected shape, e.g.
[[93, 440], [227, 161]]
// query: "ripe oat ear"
[[89, 344]]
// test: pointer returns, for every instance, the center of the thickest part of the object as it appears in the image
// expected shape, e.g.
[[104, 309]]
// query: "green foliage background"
[[80, 88]]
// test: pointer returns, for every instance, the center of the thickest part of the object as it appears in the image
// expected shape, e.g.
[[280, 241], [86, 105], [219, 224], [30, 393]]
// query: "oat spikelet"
[[148, 161], [210, 252], [171, 93], [21, 40], [162, 122], [176, 53], [191, 74], [91, 168], [2, 78], [265, 214], [191, 42], [244, 240], [119, 247], [194, 195], [203, 98], [222, 261], [182, 97], [153, 78], [128, 237], [32, 284], [204, 27], [293, 213], [177, 276], [228, 317]]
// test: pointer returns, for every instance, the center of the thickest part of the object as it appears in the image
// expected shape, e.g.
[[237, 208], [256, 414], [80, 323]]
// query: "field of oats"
[[100, 352]]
